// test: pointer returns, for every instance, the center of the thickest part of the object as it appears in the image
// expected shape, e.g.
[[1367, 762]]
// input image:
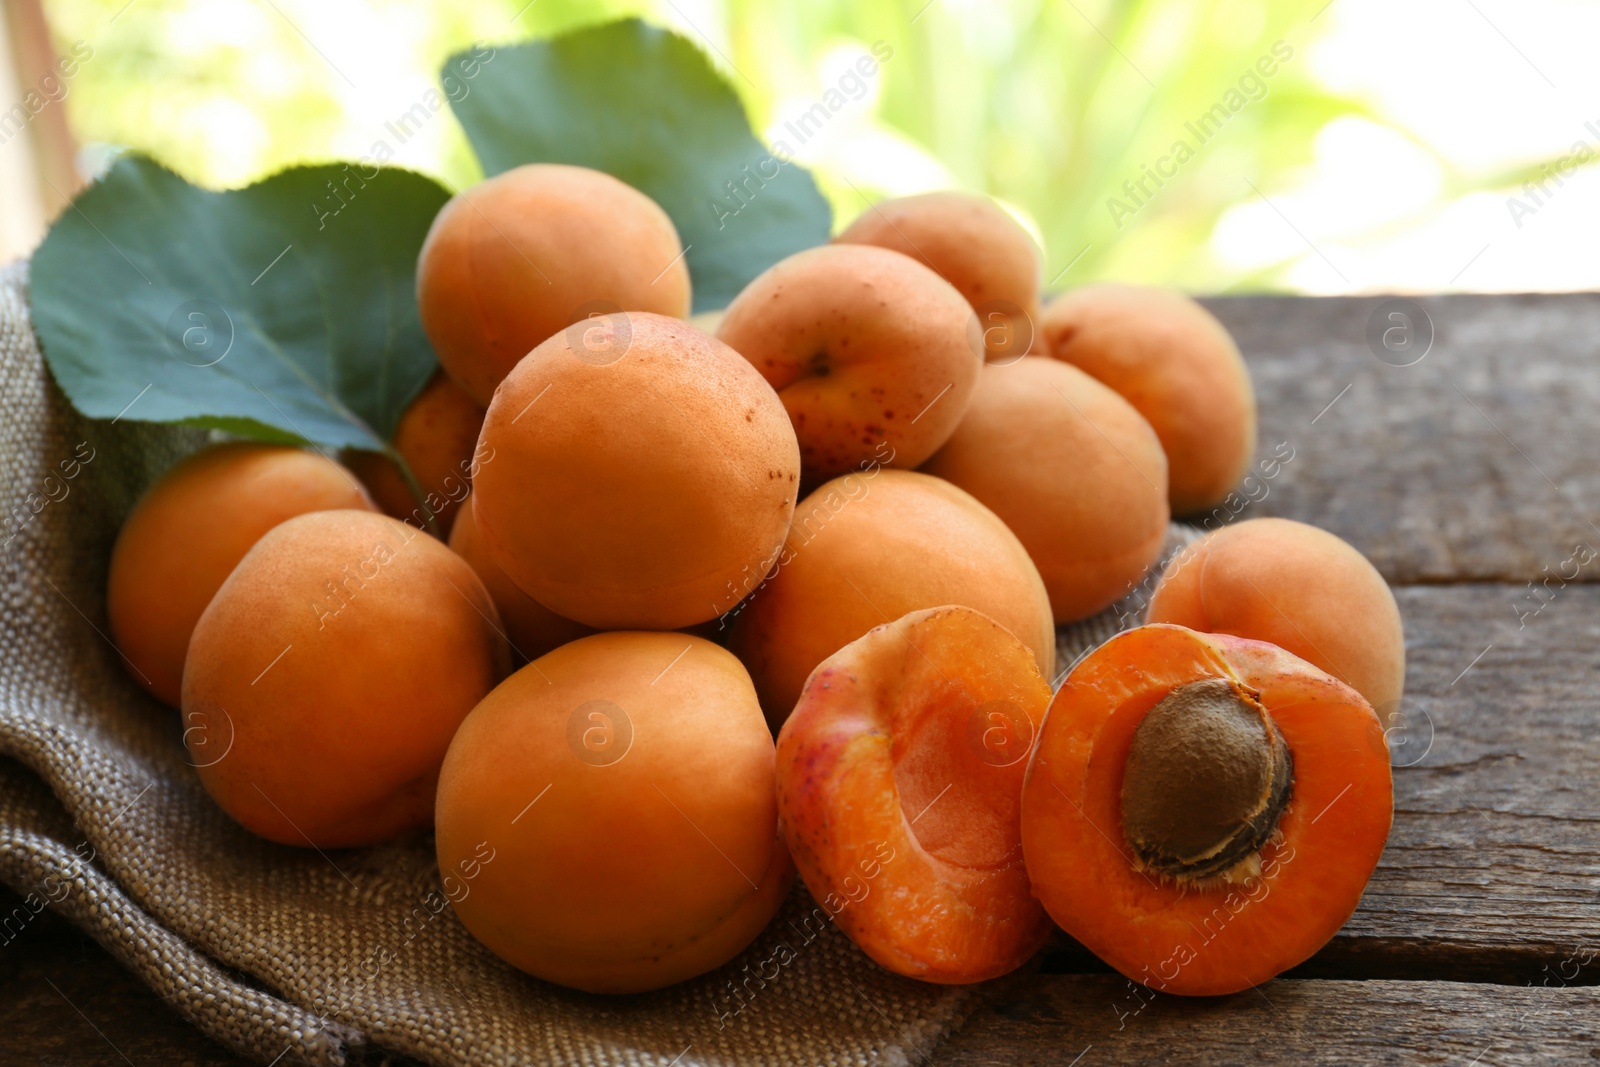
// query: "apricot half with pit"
[[899, 785]]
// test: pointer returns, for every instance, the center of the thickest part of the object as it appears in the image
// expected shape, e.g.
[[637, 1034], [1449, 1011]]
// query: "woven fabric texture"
[[290, 955]]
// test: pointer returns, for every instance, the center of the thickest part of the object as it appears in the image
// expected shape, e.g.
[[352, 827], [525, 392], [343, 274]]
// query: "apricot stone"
[[866, 549], [191, 529], [1075, 472], [874, 355], [436, 436], [521, 256], [623, 787], [639, 468], [975, 245], [1173, 361], [329, 673], [1297, 587]]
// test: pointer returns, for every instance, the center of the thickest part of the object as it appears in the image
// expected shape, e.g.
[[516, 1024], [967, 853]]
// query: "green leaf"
[[644, 105], [285, 311]]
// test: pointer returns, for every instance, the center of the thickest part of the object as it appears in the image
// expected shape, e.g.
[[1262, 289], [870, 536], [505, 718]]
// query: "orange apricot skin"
[[437, 435], [514, 259], [632, 850], [531, 628], [329, 673], [873, 354], [1073, 469], [1297, 587], [901, 820], [188, 532], [1203, 941], [972, 243], [1173, 361], [868, 548], [639, 470]]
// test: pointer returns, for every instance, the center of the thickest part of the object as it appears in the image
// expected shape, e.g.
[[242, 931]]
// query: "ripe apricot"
[[437, 436], [531, 628], [866, 549], [1075, 472], [521, 256], [1203, 811], [866, 347], [191, 529], [336, 662], [975, 245], [899, 791], [1178, 366], [639, 467], [1301, 588], [623, 784]]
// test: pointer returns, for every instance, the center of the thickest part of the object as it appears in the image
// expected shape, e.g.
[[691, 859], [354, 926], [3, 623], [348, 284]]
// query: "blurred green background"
[[1387, 149]]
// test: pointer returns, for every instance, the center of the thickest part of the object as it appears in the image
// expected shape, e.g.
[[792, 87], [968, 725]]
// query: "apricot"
[[531, 628], [1298, 587], [868, 548], [1075, 472], [975, 245], [899, 791], [1178, 366], [1203, 811], [640, 466], [873, 354], [437, 436], [622, 789], [328, 674], [191, 529], [521, 256]]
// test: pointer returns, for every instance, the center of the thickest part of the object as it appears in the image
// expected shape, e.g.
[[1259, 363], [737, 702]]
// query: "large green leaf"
[[285, 311], [644, 104]]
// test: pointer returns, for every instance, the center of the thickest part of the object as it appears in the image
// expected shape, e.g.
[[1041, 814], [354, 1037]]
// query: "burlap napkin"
[[287, 955]]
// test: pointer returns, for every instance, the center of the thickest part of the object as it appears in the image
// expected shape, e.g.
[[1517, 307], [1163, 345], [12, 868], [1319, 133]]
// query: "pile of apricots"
[[661, 610]]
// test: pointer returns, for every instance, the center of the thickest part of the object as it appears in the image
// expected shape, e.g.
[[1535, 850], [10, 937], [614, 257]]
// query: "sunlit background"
[[1353, 146]]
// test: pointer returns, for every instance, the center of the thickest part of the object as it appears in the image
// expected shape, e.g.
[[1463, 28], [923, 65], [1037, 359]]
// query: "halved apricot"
[[899, 784], [1203, 811]]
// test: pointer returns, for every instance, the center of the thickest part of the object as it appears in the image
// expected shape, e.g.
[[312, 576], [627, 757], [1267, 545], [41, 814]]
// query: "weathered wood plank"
[[1092, 1020], [1476, 463]]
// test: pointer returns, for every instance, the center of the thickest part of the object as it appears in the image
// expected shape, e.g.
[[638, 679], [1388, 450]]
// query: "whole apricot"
[[531, 628], [639, 468], [1173, 361], [622, 786], [437, 435], [866, 549], [521, 256], [873, 354], [191, 529], [328, 674], [975, 245], [1075, 472], [1298, 587], [900, 788]]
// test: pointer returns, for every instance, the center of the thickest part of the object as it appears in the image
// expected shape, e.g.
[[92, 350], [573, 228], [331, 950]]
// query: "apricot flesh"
[[188, 532], [1298, 587], [639, 468], [868, 548], [873, 354], [624, 784], [1072, 469], [1173, 361], [328, 674], [899, 788], [436, 436], [975, 245], [519, 257]]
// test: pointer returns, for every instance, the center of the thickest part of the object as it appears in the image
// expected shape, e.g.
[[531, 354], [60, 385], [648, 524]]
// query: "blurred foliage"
[[1049, 105]]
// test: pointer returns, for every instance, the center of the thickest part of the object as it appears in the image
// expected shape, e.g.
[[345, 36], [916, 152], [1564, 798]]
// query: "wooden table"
[[1470, 479]]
